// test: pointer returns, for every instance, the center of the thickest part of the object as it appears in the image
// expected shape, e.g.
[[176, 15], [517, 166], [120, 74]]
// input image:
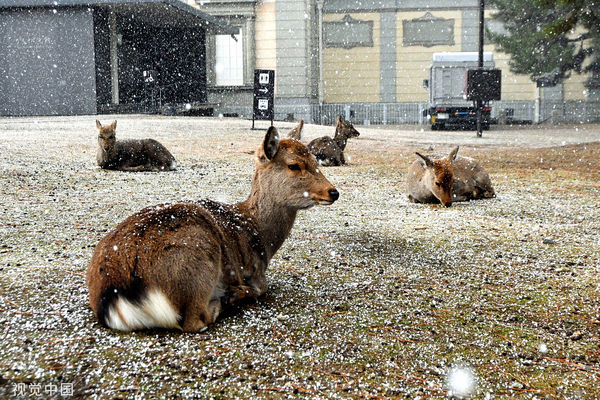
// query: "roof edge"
[[220, 26]]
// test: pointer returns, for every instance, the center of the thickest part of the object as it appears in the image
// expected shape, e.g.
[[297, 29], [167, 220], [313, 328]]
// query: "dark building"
[[66, 57]]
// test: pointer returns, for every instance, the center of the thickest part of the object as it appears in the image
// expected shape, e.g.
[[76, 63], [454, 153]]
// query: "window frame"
[[233, 73]]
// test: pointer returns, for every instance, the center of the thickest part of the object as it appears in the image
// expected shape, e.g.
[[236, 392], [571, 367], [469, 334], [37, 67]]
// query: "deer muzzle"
[[328, 199], [334, 194]]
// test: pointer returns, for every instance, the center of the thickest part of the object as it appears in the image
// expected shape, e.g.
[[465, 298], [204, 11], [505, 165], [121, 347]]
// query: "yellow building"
[[371, 60]]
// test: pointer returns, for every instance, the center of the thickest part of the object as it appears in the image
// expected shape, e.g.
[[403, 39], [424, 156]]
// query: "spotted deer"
[[330, 152], [177, 265], [449, 179], [296, 133], [131, 154]]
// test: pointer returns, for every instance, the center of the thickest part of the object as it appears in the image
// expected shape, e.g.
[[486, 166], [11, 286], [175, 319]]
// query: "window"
[[229, 60]]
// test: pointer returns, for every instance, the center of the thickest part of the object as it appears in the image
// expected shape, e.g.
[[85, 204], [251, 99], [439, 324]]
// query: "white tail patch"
[[155, 311]]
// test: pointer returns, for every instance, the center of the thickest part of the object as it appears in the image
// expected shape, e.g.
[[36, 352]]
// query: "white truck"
[[447, 90]]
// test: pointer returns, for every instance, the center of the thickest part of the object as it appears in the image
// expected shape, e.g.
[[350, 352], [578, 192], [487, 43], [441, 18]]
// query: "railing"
[[569, 111], [414, 113], [370, 113]]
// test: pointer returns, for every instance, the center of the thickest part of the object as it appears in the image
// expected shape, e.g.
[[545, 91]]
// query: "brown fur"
[[330, 151], [131, 155], [205, 255], [296, 133], [449, 179]]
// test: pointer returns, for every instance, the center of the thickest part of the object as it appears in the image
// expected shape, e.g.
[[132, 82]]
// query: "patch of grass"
[[372, 297]]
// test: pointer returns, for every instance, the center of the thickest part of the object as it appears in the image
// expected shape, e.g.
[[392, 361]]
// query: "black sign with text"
[[150, 77], [484, 84], [264, 87]]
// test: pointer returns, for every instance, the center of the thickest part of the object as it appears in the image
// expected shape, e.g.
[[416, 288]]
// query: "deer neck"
[[340, 139], [103, 155], [273, 220], [112, 147]]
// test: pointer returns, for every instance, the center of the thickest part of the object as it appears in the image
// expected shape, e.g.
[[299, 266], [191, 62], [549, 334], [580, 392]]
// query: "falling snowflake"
[[461, 382]]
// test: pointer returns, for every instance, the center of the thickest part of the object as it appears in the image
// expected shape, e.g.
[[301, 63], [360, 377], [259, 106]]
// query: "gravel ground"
[[373, 297]]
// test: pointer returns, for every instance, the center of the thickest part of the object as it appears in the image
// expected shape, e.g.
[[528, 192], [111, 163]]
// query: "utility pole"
[[479, 102]]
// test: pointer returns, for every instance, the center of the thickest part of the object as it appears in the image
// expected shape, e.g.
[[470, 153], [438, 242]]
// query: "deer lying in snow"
[[177, 265], [131, 155], [447, 179], [330, 151], [296, 133]]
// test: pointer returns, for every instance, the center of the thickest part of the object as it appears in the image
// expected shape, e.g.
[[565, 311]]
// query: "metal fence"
[[569, 111], [370, 113], [519, 111], [413, 113]]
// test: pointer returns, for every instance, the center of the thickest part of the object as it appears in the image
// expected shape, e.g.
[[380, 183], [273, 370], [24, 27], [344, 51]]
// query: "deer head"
[[344, 130], [106, 135], [439, 176], [288, 174]]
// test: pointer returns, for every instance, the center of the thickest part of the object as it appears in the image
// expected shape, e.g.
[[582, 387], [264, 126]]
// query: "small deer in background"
[[132, 154], [444, 180], [330, 152], [178, 265], [296, 133]]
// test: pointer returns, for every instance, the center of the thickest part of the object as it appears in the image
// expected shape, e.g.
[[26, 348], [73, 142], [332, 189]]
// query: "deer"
[[178, 265], [330, 152], [131, 154], [448, 179], [296, 133]]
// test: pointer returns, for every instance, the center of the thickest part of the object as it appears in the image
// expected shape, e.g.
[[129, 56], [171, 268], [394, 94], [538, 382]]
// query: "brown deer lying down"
[[296, 133], [131, 155], [177, 265], [447, 179], [330, 151]]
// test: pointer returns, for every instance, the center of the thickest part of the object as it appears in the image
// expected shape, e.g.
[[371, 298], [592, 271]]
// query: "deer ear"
[[339, 120], [271, 143], [114, 124], [98, 124], [452, 155], [427, 160]]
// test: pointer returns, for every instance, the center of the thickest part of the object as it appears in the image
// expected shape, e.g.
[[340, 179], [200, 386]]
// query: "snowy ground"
[[372, 297]]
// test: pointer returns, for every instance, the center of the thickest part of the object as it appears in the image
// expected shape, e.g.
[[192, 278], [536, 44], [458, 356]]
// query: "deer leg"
[[412, 199], [257, 286], [134, 169], [214, 309], [192, 321], [150, 167], [325, 161], [236, 293], [198, 317], [483, 192], [460, 197]]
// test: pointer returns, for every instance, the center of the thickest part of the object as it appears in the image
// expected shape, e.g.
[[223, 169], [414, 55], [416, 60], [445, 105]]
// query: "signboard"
[[264, 88], [150, 77], [483, 84], [151, 104]]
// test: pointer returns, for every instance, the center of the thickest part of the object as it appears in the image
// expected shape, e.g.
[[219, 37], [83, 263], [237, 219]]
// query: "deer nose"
[[448, 204], [334, 194]]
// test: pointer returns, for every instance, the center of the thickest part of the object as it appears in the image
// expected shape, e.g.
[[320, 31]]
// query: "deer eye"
[[438, 184], [294, 167]]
